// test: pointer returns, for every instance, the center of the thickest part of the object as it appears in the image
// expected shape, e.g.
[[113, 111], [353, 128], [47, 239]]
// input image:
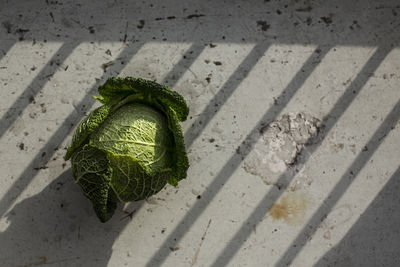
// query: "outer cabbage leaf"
[[179, 156], [150, 90], [88, 125], [92, 172], [130, 181]]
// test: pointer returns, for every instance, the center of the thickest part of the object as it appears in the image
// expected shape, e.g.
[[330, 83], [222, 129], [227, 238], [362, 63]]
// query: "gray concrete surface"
[[320, 191]]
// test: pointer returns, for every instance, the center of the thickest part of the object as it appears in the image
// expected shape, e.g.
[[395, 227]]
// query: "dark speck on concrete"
[[19, 30], [104, 66], [141, 24], [195, 16], [91, 29], [217, 63], [7, 25], [263, 24], [327, 19], [52, 16], [43, 106], [40, 168], [199, 197], [21, 33], [21, 146], [174, 248], [304, 9], [59, 185], [355, 25]]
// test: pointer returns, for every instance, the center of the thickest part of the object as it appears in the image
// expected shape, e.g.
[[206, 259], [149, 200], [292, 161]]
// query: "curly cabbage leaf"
[[127, 86], [132, 146]]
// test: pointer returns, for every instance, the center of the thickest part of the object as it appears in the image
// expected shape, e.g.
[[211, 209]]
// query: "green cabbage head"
[[132, 146]]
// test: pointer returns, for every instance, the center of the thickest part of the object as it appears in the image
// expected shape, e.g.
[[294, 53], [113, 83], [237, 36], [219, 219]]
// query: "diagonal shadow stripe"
[[225, 92], [232, 164], [187, 60], [340, 188], [35, 86], [329, 121], [62, 132]]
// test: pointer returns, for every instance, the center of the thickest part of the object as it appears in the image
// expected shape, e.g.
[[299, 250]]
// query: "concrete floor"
[[255, 195]]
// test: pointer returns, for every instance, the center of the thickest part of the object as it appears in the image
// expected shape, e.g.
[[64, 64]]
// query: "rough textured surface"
[[241, 65], [277, 146]]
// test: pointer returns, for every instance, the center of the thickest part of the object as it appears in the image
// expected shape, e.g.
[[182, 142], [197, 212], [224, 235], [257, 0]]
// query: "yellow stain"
[[291, 208]]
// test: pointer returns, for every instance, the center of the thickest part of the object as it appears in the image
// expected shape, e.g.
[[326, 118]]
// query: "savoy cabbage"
[[130, 147]]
